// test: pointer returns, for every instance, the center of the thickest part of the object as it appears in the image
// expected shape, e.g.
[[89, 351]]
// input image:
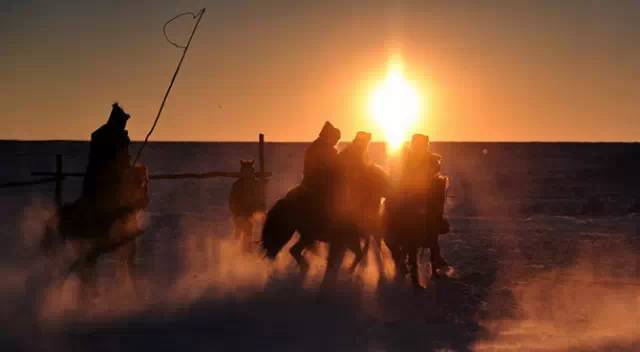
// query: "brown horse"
[[94, 232]]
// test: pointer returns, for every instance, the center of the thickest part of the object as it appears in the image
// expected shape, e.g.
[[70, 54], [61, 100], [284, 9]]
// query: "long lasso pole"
[[175, 74]]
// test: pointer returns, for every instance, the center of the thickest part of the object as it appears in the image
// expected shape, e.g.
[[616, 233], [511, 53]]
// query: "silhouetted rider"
[[420, 166], [323, 176], [354, 161], [424, 188], [108, 161], [354, 158]]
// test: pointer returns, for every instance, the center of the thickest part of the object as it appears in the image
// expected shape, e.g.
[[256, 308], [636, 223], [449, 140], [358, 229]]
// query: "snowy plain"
[[536, 268]]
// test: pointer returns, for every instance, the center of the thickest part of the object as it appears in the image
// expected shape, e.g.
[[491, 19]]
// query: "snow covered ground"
[[535, 271]]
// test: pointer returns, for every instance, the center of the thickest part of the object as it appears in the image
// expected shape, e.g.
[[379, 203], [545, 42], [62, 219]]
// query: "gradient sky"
[[490, 70]]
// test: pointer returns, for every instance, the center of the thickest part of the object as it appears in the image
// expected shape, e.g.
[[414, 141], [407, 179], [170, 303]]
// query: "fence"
[[58, 176]]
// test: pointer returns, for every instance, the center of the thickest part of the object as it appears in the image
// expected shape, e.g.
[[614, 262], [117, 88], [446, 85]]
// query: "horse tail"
[[278, 228]]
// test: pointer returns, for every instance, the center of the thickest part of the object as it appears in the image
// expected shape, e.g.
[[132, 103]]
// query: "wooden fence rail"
[[27, 183], [59, 175], [209, 174]]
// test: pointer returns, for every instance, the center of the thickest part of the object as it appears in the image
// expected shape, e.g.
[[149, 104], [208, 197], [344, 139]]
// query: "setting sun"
[[395, 105]]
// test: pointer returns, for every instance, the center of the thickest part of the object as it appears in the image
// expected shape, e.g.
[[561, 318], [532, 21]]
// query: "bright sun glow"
[[395, 105]]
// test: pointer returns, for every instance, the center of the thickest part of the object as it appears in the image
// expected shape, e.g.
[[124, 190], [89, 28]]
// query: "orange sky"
[[539, 70]]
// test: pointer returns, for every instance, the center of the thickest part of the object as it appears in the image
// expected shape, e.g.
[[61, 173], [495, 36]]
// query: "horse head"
[[247, 168]]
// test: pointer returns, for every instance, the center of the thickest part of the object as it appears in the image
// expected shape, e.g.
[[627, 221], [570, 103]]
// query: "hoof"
[[304, 267], [417, 287]]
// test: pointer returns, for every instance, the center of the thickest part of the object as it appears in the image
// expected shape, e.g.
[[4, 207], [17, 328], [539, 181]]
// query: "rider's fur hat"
[[419, 141], [362, 137], [117, 114], [329, 131]]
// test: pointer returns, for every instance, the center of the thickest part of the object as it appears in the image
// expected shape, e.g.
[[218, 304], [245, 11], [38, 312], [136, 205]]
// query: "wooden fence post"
[[59, 178], [263, 178], [261, 153]]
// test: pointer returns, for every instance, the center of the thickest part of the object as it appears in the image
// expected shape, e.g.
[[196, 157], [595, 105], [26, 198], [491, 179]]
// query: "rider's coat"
[[108, 161], [323, 175], [418, 171]]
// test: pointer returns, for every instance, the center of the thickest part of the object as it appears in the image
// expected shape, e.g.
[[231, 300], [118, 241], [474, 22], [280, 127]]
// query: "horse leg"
[[51, 237], [248, 235], [243, 232], [379, 255], [126, 269], [336, 254], [413, 267], [398, 255], [435, 257], [86, 274], [237, 229], [296, 253], [360, 253]]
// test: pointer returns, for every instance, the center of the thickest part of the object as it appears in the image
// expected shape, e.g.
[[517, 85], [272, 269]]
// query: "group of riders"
[[413, 204], [344, 199]]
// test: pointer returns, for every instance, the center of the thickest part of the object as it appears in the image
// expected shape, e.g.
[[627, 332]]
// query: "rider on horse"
[[414, 212], [111, 183], [323, 175], [359, 171], [103, 220], [354, 159], [424, 187], [315, 209], [108, 162]]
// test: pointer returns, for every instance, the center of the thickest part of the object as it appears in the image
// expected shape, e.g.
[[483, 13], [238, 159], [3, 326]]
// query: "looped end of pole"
[[175, 73], [164, 27]]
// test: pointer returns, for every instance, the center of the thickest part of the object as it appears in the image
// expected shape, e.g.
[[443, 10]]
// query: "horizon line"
[[309, 141]]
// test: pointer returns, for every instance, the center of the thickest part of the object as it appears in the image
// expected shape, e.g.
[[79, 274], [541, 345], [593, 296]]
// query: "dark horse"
[[367, 191], [405, 226], [295, 212], [406, 222], [93, 232], [413, 223]]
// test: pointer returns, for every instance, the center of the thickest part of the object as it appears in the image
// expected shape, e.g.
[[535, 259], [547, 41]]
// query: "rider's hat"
[[329, 131], [117, 114], [419, 141], [362, 137]]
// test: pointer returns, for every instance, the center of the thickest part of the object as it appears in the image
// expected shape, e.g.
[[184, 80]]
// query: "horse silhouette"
[[244, 201], [94, 232], [414, 223], [295, 212]]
